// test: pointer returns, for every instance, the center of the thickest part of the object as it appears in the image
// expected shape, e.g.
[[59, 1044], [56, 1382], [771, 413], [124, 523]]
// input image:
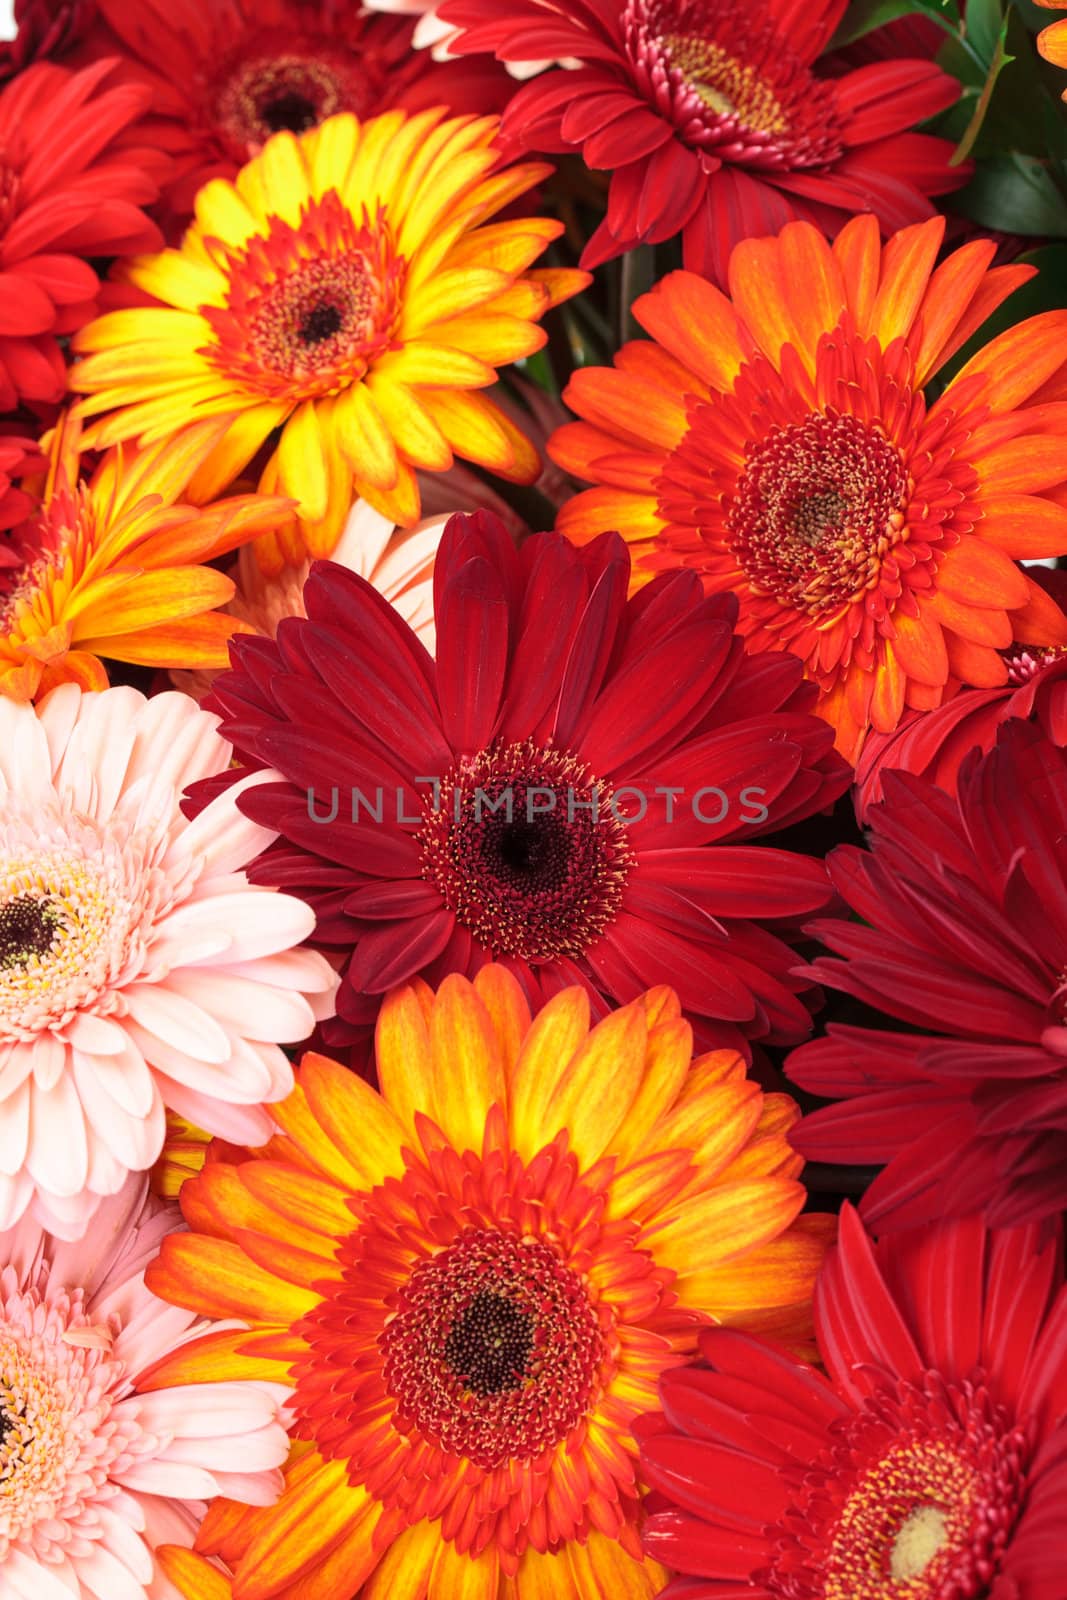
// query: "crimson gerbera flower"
[[713, 118], [580, 787], [71, 189], [963, 938], [227, 74], [931, 1463]]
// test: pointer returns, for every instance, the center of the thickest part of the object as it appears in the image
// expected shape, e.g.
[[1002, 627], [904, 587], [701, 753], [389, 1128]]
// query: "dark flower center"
[[489, 1345], [308, 306], [528, 851], [817, 509], [494, 1349], [291, 109], [321, 322], [28, 926]]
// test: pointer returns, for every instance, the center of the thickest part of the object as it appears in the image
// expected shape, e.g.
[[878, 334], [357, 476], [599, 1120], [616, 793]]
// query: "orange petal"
[[858, 252], [557, 1031], [977, 573], [1026, 527], [217, 1278], [722, 1223], [1022, 465], [1040, 621], [907, 262], [976, 664], [887, 700], [1017, 362], [919, 646], [696, 322], [465, 1063]]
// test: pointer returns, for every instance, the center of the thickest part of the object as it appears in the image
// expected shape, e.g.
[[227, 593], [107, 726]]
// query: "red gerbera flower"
[[931, 1465], [579, 788], [963, 938], [227, 74], [71, 189], [713, 119]]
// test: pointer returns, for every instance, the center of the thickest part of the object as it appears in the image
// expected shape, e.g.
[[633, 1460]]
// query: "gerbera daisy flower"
[[931, 1460], [397, 562], [227, 74], [712, 120], [100, 1460], [72, 185], [138, 966], [963, 939], [350, 292], [581, 786], [472, 1281], [780, 444], [114, 566]]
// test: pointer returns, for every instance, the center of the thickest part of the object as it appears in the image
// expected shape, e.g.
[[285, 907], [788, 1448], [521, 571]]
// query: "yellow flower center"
[[727, 86]]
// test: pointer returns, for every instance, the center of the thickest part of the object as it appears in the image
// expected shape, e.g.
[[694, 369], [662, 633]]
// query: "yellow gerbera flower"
[[349, 290], [114, 566], [472, 1282]]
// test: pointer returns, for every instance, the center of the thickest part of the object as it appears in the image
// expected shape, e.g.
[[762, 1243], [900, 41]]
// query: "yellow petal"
[[558, 1030], [301, 456]]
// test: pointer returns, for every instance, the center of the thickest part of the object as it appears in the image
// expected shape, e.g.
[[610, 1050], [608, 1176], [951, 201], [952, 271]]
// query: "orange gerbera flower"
[[114, 566], [780, 443], [347, 291], [473, 1280]]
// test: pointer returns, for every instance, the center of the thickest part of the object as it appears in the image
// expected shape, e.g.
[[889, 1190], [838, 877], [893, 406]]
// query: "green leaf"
[[984, 27], [866, 15], [1015, 194], [997, 64]]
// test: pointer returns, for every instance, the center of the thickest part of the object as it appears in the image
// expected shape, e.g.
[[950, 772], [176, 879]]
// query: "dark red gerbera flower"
[[713, 119], [579, 788], [72, 184], [226, 74], [931, 1464], [963, 938]]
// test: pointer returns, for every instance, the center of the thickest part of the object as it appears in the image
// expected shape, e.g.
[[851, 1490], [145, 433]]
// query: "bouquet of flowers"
[[533, 800]]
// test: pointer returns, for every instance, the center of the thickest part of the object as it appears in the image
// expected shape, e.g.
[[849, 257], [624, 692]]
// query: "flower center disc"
[[527, 851], [309, 307], [494, 1350], [279, 83], [817, 508], [727, 86]]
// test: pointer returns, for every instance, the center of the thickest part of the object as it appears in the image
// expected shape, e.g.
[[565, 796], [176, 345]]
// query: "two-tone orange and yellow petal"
[[473, 1279], [780, 442], [342, 303], [114, 566]]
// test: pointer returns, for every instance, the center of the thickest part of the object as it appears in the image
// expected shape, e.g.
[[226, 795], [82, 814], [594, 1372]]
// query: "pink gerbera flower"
[[101, 1458], [138, 966]]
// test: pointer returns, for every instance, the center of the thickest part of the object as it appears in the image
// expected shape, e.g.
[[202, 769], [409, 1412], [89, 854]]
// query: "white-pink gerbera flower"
[[100, 1462], [139, 968], [397, 561]]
